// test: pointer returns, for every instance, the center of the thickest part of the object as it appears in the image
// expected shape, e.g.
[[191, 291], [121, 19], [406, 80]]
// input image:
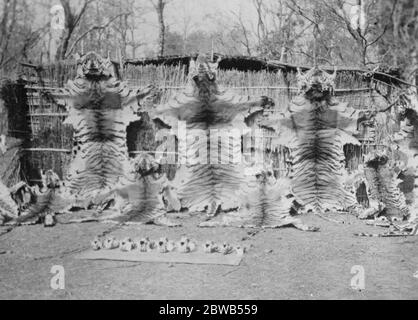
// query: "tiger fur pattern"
[[33, 203], [100, 109], [205, 185], [315, 128], [267, 203], [383, 174], [146, 200], [8, 208], [382, 182]]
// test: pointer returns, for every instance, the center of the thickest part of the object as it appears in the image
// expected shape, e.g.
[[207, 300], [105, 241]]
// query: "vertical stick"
[[120, 63], [212, 56]]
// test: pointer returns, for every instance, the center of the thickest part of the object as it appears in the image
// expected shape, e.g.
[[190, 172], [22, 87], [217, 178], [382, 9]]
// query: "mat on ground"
[[172, 257]]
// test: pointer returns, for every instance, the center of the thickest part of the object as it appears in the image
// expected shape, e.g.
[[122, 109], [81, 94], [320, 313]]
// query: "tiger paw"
[[166, 222]]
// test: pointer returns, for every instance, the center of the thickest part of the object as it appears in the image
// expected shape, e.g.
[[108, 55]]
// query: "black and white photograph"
[[221, 151]]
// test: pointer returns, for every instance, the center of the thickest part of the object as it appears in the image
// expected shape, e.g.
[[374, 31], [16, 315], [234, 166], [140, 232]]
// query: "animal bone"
[[239, 250], [110, 243], [171, 246], [183, 245], [210, 247], [151, 245], [127, 245], [192, 246], [225, 248], [142, 244], [96, 244], [162, 245]]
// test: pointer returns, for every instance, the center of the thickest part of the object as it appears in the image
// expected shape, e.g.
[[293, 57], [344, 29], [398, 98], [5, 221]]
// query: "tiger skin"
[[100, 109], [101, 175], [147, 200], [267, 202], [209, 186], [407, 145], [30, 204], [8, 207], [383, 191], [315, 128]]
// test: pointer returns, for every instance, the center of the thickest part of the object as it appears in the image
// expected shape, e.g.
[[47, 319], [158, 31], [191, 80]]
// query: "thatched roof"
[[247, 63]]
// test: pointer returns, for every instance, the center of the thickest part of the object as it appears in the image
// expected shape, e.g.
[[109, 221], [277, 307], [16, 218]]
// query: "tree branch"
[[83, 35]]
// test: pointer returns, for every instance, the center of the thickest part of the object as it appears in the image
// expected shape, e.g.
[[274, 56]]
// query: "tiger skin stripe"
[[209, 186], [266, 203], [100, 109], [46, 202], [315, 128], [8, 208], [140, 202], [383, 185]]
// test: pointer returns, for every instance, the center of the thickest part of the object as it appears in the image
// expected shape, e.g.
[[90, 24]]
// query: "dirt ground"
[[281, 264]]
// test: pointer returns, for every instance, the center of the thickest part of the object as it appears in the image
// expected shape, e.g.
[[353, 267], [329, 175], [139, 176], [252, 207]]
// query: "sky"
[[199, 13]]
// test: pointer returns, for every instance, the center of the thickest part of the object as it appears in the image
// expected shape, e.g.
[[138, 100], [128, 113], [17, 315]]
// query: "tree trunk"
[[63, 45], [161, 38], [414, 68]]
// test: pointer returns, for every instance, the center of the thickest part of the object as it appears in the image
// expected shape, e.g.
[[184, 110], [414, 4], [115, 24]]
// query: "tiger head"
[[50, 180], [202, 75], [145, 164], [408, 106], [316, 83], [93, 66], [23, 196]]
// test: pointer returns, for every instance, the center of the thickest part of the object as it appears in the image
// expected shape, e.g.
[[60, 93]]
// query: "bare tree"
[[261, 28], [72, 20], [159, 6], [7, 25], [18, 33], [245, 32], [401, 46], [364, 34]]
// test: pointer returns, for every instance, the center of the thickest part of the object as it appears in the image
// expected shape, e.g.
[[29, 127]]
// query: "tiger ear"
[[76, 56], [334, 75], [192, 64], [108, 59], [43, 177], [214, 65]]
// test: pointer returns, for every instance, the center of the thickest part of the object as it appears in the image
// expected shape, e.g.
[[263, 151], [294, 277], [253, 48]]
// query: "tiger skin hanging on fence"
[[315, 128], [207, 185], [101, 174], [100, 108]]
